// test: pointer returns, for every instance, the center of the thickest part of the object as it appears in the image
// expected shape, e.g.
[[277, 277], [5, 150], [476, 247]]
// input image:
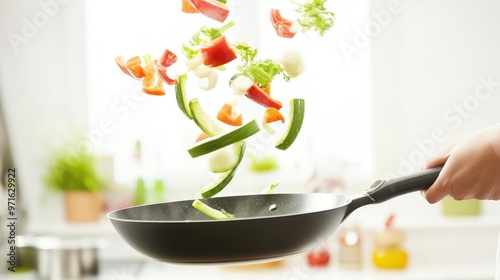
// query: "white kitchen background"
[[64, 75], [393, 82]]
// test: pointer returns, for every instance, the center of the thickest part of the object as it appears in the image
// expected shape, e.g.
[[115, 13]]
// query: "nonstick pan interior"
[[269, 226]]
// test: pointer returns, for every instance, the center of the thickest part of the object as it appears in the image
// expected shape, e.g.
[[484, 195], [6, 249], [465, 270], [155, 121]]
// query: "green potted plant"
[[77, 177]]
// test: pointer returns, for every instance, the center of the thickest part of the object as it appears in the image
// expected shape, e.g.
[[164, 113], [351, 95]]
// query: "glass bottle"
[[159, 191], [389, 252], [140, 192], [350, 247]]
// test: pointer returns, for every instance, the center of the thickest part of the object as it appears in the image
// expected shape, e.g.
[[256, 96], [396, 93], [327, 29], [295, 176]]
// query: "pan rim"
[[347, 201]]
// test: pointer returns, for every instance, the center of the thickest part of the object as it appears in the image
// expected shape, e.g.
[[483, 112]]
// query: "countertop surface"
[[294, 268]]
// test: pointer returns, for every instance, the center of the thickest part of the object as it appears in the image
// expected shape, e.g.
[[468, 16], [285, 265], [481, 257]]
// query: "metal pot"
[[62, 257]]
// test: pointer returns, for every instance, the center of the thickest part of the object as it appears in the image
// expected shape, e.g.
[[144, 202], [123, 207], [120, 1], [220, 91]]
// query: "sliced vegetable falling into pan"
[[296, 118], [225, 134], [222, 140]]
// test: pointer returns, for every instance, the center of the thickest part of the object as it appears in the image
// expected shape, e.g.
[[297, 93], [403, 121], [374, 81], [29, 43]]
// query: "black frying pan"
[[266, 226]]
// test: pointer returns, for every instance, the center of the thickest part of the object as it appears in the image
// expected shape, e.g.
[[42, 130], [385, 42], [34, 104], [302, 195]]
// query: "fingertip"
[[432, 200], [434, 194]]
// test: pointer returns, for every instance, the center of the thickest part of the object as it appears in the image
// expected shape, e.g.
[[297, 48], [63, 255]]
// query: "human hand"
[[471, 168]]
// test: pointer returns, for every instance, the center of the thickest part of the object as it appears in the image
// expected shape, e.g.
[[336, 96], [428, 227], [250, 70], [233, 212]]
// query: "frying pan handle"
[[383, 190]]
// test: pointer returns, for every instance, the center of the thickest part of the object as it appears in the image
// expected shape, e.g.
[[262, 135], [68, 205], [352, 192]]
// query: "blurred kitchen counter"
[[294, 268], [438, 247], [291, 269]]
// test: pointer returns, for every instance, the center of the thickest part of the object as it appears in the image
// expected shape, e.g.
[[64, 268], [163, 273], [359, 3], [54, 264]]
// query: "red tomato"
[[217, 53], [320, 258], [281, 24]]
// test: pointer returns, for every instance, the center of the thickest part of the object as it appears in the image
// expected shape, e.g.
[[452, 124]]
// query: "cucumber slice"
[[180, 95], [222, 140], [223, 159], [204, 122], [269, 189], [211, 212], [220, 183], [295, 121]]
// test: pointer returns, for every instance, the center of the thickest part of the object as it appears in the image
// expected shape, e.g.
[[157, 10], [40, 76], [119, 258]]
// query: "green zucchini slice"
[[223, 180], [181, 97], [211, 212], [222, 140], [297, 107], [204, 122]]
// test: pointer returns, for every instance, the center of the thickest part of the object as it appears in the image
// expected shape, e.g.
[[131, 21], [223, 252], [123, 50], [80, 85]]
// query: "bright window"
[[337, 132]]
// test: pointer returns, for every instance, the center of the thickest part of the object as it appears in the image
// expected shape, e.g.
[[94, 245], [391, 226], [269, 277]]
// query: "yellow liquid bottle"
[[389, 253]]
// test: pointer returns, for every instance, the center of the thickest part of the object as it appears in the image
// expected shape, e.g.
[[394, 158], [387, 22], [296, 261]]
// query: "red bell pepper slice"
[[267, 89], [273, 115], [188, 8], [258, 95], [281, 25], [121, 64], [217, 53], [162, 72], [134, 65], [151, 83], [132, 68], [153, 89], [168, 58], [211, 9], [202, 136]]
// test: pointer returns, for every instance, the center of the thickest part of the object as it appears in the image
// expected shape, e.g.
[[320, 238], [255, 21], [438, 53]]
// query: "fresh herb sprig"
[[203, 36], [313, 15], [262, 71]]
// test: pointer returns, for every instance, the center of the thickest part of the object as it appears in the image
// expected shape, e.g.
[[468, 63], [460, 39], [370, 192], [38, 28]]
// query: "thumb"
[[436, 192]]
